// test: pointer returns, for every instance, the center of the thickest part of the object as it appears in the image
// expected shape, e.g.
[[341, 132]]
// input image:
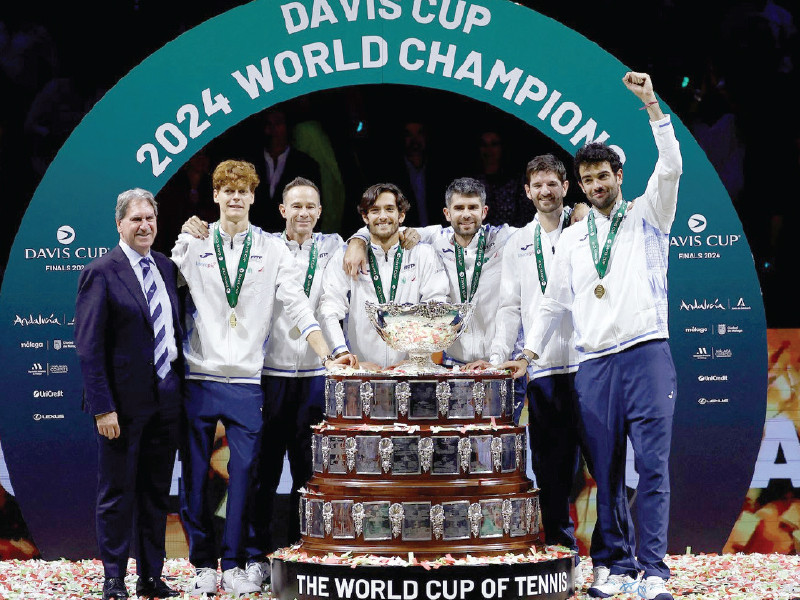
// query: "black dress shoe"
[[154, 587], [114, 587]]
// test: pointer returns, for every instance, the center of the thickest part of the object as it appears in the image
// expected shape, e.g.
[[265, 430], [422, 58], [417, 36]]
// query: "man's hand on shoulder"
[[195, 227], [355, 258], [579, 212], [409, 238]]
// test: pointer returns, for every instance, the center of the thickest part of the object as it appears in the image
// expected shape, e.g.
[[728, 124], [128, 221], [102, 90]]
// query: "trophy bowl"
[[419, 329]]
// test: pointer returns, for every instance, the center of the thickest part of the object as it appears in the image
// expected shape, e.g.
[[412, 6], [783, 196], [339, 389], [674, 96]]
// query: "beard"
[[465, 229], [383, 237], [607, 202]]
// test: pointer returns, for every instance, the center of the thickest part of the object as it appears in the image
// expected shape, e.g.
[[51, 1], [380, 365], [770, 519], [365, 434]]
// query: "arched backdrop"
[[265, 52]]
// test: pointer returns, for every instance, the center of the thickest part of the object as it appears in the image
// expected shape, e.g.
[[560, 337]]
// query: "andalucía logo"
[[714, 304], [741, 305], [40, 319]]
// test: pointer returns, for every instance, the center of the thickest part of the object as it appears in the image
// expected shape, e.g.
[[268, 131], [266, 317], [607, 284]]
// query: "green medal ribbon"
[[537, 245], [601, 260], [462, 270], [376, 275], [312, 263], [232, 291], [312, 267]]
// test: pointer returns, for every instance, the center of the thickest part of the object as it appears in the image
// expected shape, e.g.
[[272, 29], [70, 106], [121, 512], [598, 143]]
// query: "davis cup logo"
[[65, 235], [697, 223]]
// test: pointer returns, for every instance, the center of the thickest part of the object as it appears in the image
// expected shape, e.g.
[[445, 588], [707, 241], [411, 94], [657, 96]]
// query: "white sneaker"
[[615, 584], [578, 578], [235, 581], [258, 572], [654, 588], [599, 575], [205, 582]]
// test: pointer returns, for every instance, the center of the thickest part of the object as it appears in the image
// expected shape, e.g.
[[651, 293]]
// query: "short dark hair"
[[299, 182], [545, 163], [594, 153], [465, 186], [370, 196]]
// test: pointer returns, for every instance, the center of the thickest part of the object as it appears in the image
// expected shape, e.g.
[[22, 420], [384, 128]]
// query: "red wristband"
[[649, 104]]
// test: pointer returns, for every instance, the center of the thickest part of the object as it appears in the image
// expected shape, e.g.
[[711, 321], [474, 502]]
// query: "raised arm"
[[641, 86], [661, 196]]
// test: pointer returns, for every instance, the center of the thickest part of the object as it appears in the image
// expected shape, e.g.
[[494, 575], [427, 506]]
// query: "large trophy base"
[[549, 579]]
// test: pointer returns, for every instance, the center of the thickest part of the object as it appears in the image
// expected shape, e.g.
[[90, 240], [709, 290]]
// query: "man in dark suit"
[[277, 163], [422, 179], [128, 335]]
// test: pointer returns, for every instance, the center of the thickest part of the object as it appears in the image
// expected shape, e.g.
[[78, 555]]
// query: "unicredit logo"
[[48, 393], [712, 378]]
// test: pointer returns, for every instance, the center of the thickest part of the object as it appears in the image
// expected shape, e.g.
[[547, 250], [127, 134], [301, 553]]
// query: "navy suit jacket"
[[114, 336], [264, 212]]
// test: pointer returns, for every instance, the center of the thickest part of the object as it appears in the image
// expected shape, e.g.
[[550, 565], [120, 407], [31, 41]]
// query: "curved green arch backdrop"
[[262, 53]]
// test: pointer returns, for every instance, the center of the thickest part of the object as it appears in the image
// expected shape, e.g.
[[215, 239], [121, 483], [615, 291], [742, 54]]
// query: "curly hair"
[[233, 172], [596, 152]]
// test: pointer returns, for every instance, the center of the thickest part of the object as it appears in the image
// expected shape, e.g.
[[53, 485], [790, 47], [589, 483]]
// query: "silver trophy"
[[420, 330]]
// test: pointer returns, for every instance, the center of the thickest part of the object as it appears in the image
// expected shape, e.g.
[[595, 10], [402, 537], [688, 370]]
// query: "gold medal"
[[232, 320], [599, 291], [294, 333]]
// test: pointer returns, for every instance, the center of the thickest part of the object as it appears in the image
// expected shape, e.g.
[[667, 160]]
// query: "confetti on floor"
[[695, 576]]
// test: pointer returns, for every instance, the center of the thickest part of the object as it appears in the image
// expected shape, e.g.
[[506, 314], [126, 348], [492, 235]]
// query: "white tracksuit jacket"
[[286, 354], [422, 279], [634, 307], [214, 350], [521, 299], [474, 342]]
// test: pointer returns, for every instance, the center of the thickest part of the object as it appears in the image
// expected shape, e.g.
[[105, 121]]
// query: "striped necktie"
[[158, 319]]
